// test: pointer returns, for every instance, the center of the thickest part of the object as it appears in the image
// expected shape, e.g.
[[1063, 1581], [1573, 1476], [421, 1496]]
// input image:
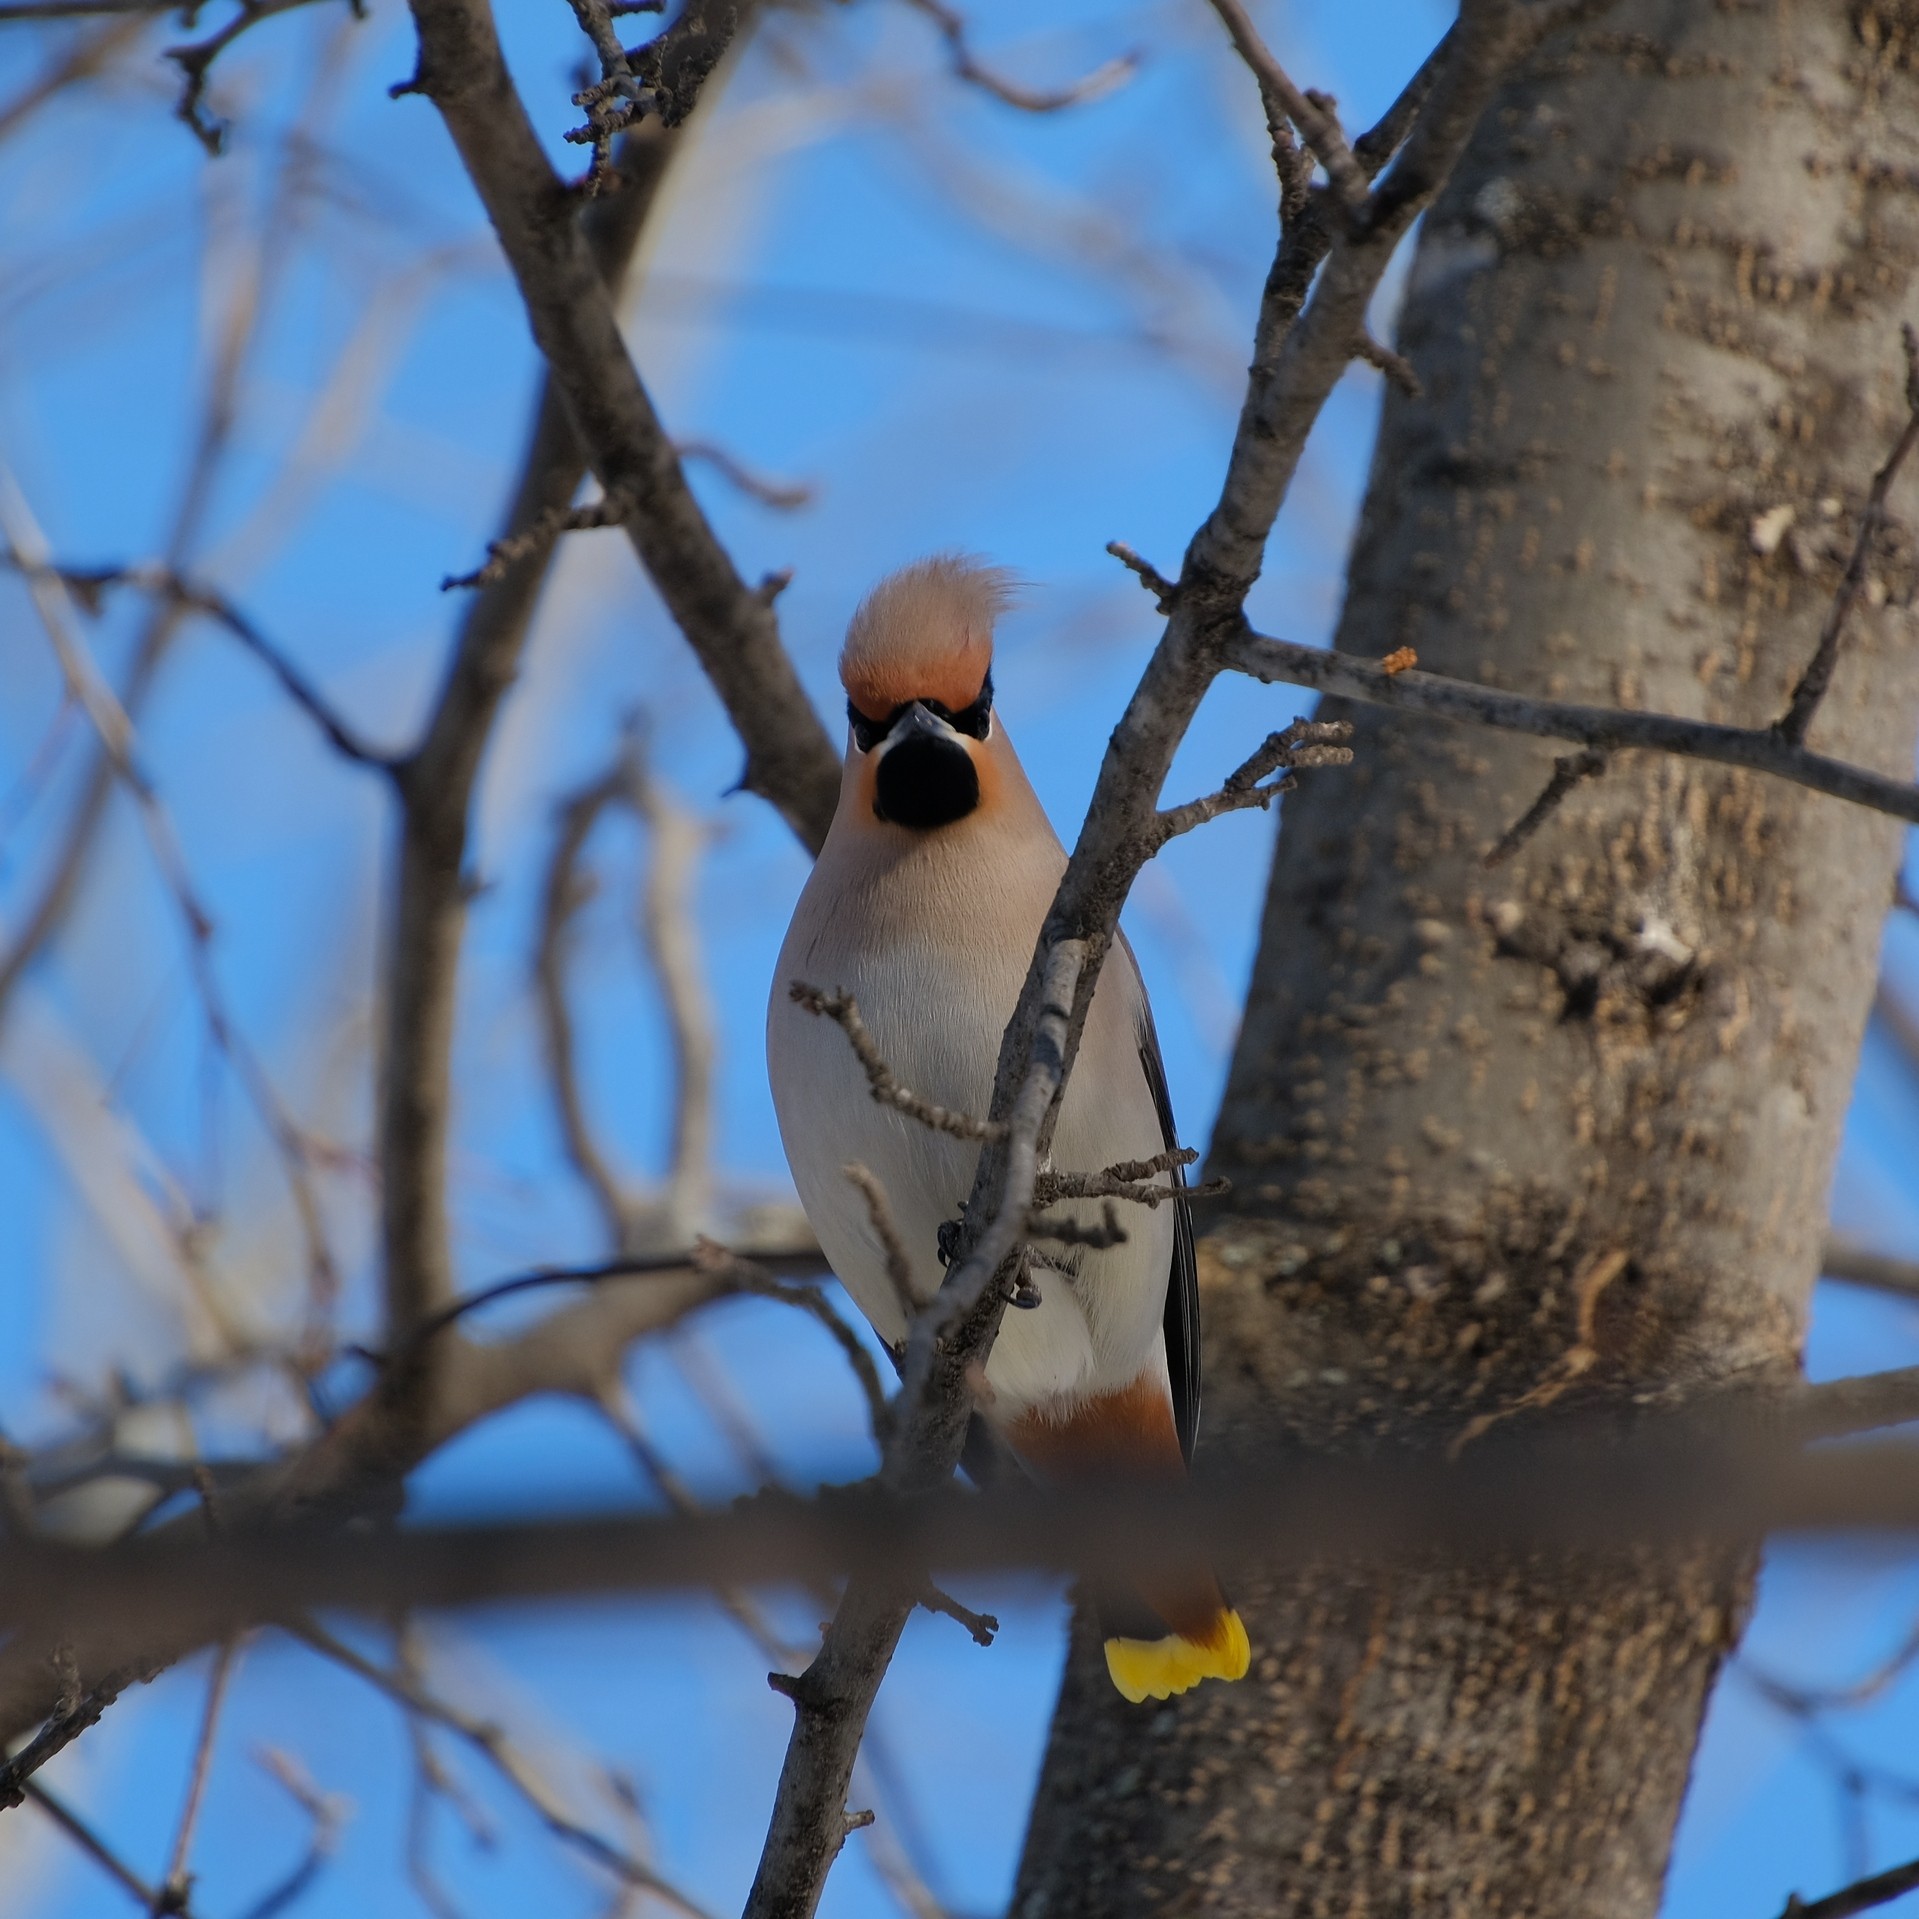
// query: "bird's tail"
[[1166, 1639]]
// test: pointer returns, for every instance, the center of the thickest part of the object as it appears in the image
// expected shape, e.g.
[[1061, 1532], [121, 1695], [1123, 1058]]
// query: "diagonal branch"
[[1104, 79], [167, 584], [1296, 364], [99, 1851], [493, 1744], [789, 760], [1317, 125], [1794, 723], [436, 780], [844, 1011], [1761, 749]]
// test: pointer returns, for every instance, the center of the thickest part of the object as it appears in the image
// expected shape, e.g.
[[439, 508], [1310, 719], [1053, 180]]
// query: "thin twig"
[[1568, 771], [114, 730], [504, 554], [172, 1893], [1396, 367], [1165, 592], [1317, 124], [783, 496], [720, 1263], [843, 1010], [799, 1261], [97, 1848], [952, 26], [327, 1813], [195, 62], [492, 1743], [563, 893], [1793, 724], [669, 930], [899, 1269], [1861, 1896], [983, 1626], [1303, 744], [166, 584]]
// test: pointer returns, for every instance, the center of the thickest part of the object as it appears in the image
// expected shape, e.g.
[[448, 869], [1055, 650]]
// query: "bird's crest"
[[925, 633]]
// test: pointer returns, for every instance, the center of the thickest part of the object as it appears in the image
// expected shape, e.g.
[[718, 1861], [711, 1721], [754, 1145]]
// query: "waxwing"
[[925, 904]]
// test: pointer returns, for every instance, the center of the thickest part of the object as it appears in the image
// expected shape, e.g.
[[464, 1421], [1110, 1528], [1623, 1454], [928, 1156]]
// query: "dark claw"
[[948, 1240], [1025, 1295]]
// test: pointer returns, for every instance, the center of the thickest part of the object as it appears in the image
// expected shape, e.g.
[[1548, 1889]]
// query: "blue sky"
[[960, 326]]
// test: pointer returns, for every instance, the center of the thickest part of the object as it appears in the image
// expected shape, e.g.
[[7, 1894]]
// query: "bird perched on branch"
[[924, 906]]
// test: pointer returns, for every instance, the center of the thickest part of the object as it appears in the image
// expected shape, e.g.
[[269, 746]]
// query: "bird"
[[924, 905]]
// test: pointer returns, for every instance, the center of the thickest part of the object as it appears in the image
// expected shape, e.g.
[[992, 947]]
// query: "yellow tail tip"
[[1145, 1669]]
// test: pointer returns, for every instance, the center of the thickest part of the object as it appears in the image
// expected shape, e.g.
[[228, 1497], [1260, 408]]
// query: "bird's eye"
[[977, 719], [867, 734]]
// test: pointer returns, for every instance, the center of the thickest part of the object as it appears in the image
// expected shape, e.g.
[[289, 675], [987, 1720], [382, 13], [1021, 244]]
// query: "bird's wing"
[[1182, 1284]]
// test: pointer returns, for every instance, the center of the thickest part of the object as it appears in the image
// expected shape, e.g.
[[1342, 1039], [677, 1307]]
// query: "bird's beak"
[[917, 723], [923, 775]]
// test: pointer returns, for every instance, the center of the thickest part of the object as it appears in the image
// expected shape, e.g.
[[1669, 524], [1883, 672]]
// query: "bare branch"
[[564, 892], [944, 1356], [164, 583], [610, 509], [327, 1814], [114, 729], [1761, 749], [951, 23], [1861, 1896], [1731, 1468], [1793, 724], [1164, 591], [983, 1626], [195, 62], [493, 1744], [1568, 772], [1059, 1230], [62, 1728], [670, 937], [1294, 369], [98, 1850], [1859, 1267], [783, 496], [436, 784], [790, 760], [79, 59], [746, 1277], [899, 1269], [1396, 367], [172, 1894], [1316, 122], [237, 329], [1304, 743], [844, 1011]]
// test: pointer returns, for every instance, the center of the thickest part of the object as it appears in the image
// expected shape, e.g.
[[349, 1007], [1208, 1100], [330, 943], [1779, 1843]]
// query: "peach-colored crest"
[[925, 633]]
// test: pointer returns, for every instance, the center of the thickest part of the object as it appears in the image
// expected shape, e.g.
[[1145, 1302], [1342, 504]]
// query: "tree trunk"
[[1507, 1140]]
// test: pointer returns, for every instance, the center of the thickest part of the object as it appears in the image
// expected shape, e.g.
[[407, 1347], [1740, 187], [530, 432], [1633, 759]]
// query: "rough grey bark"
[[1507, 1140]]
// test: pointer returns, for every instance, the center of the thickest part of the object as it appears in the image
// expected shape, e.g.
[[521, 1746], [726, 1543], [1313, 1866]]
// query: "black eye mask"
[[974, 721]]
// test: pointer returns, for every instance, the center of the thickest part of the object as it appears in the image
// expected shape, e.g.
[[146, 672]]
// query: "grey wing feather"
[[1182, 1284]]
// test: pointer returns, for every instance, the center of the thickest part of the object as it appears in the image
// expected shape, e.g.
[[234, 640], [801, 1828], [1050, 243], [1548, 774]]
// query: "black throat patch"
[[925, 782]]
